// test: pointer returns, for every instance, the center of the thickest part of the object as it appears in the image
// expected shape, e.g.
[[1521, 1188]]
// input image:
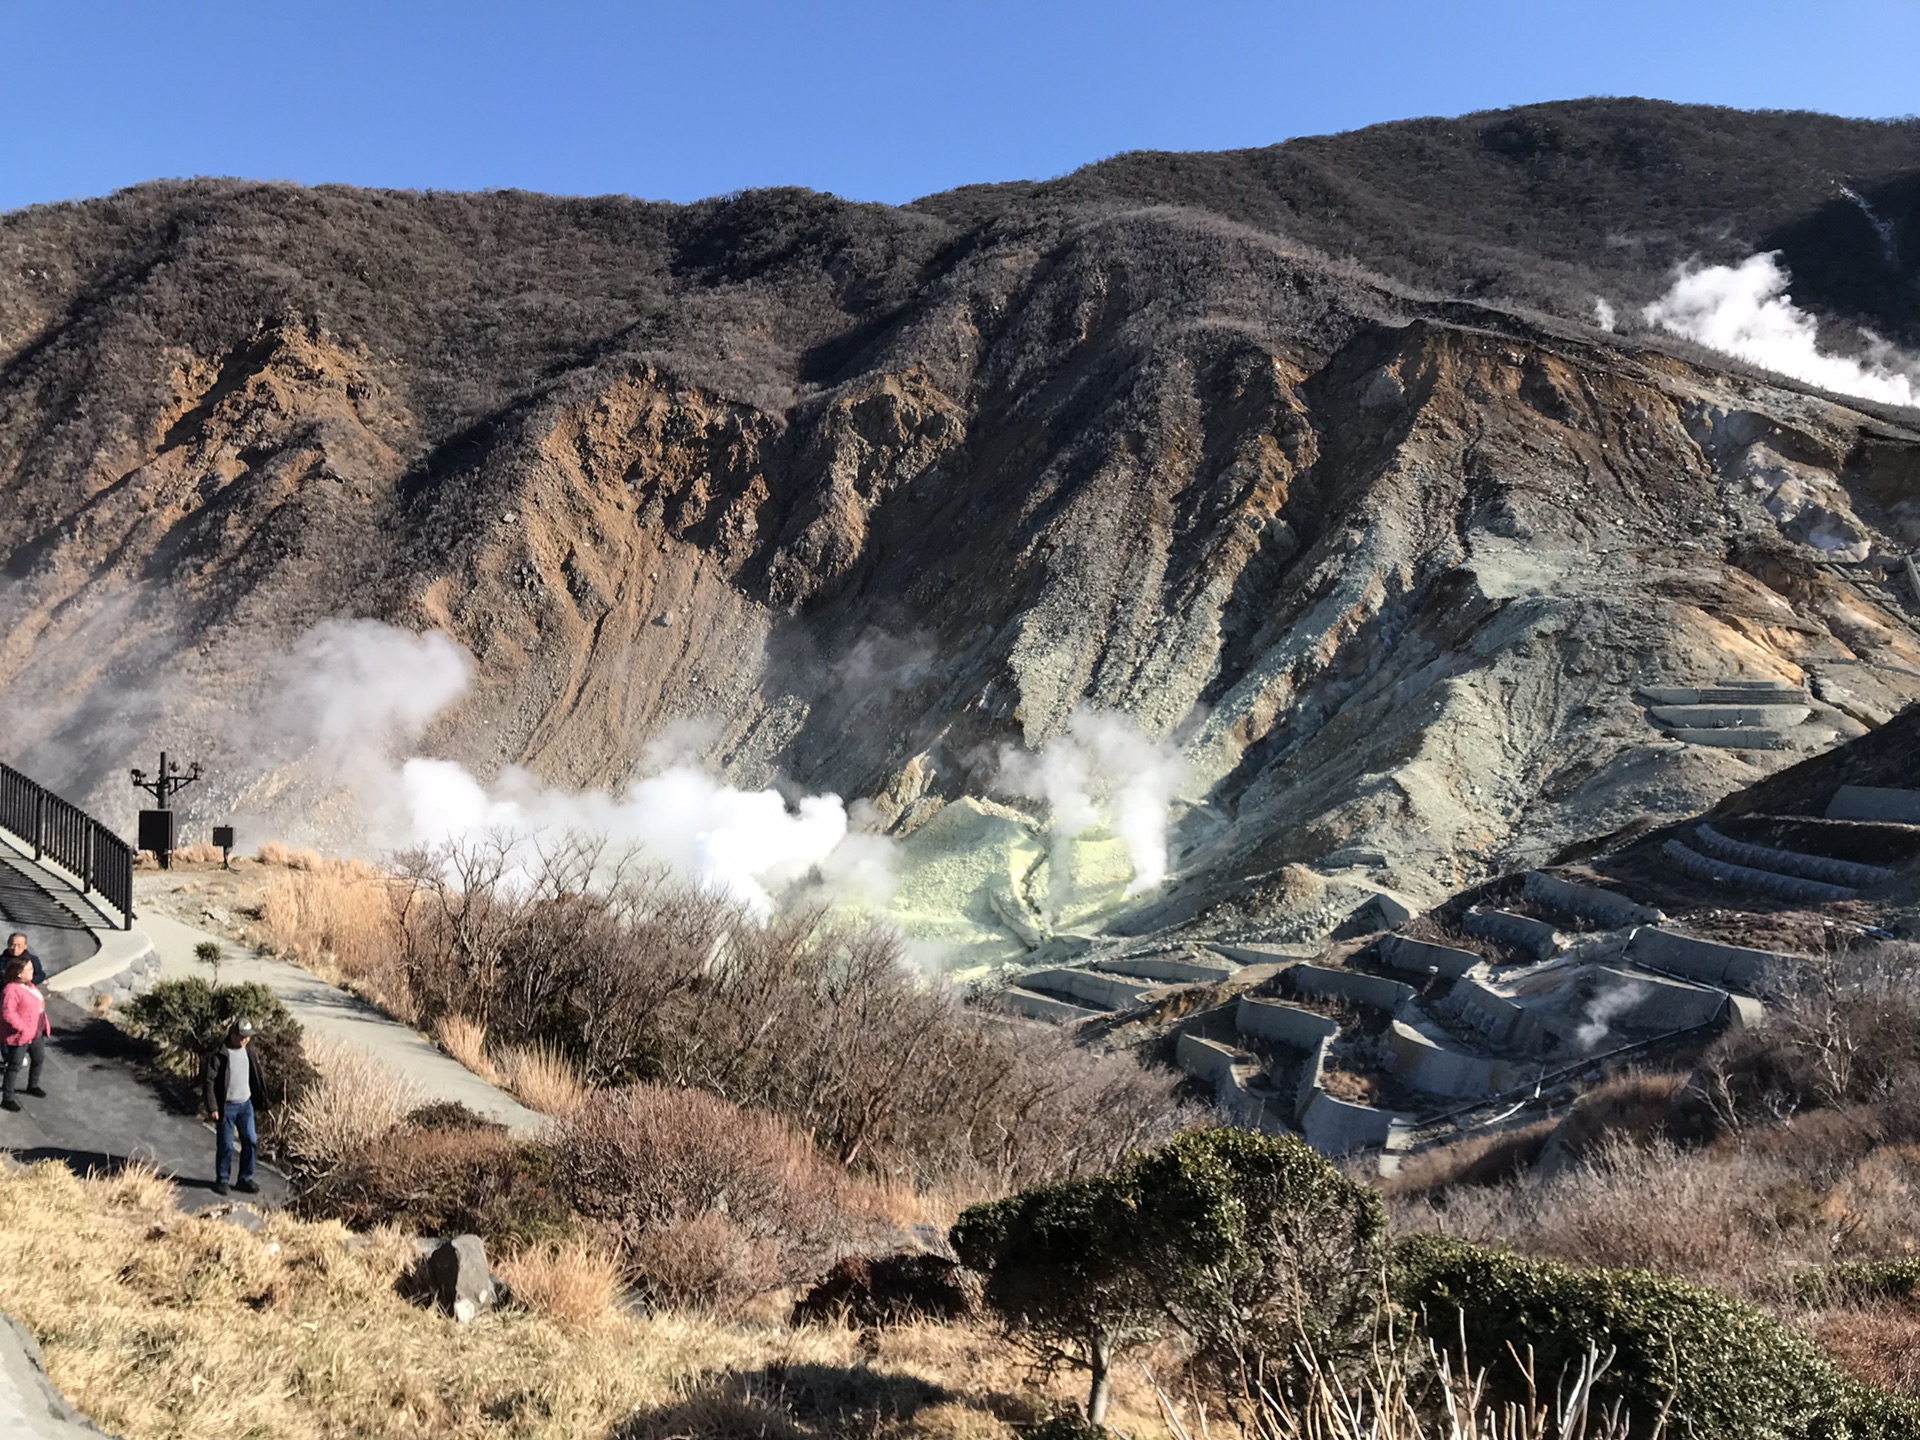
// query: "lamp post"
[[156, 825]]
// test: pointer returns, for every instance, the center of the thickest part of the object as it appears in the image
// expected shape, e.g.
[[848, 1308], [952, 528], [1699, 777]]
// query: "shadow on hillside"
[[790, 1402]]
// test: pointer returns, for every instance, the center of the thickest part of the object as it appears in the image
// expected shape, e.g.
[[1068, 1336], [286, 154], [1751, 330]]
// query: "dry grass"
[[162, 1326], [197, 854], [289, 858], [337, 918], [1878, 1343], [354, 1100], [466, 1041], [573, 1284], [542, 1078]]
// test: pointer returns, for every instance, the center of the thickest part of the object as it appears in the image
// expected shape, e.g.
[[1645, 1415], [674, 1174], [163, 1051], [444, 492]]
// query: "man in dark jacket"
[[16, 949], [232, 1080]]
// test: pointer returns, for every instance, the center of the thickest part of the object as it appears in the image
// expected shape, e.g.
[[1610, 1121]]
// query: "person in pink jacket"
[[23, 1029]]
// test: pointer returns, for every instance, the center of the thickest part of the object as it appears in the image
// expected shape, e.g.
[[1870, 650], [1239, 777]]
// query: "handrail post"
[[39, 819]]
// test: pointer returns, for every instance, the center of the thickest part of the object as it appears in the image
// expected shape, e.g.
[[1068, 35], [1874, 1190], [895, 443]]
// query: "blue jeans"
[[236, 1118]]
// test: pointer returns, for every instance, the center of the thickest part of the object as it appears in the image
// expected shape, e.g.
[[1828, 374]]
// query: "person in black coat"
[[232, 1079], [17, 949]]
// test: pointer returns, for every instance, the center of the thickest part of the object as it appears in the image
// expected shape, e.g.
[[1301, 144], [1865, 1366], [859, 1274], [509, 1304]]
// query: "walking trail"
[[328, 1011]]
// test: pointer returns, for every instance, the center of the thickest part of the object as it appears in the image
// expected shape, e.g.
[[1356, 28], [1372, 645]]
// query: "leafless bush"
[[643, 1160], [630, 976], [354, 1101], [1846, 1031]]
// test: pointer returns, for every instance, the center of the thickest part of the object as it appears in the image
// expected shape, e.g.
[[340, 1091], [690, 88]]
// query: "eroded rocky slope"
[[853, 497]]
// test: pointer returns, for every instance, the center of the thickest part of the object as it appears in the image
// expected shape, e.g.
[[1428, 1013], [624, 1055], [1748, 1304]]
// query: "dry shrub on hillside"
[[353, 1101], [1845, 1031], [1879, 1344], [1477, 1160], [159, 1323], [435, 1179], [340, 919], [660, 1170], [542, 1078], [633, 977], [287, 857], [1731, 1218], [466, 1041], [572, 1282]]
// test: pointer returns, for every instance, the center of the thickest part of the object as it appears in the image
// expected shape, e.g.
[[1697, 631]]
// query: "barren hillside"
[[1306, 458]]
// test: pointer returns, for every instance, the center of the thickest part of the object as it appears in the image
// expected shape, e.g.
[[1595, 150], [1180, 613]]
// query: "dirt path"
[[326, 1010]]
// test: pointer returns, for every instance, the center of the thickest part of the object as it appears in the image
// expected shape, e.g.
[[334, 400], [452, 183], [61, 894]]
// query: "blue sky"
[[868, 100]]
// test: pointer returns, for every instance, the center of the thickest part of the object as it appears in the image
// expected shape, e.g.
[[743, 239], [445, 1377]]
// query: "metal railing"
[[72, 839]]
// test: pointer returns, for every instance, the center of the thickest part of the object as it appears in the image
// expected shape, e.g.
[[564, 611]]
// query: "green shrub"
[[1727, 1371], [1857, 1280], [1253, 1245], [184, 1020]]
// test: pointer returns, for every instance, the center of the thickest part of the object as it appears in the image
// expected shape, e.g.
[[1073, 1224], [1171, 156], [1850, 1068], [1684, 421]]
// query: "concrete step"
[[1788, 862], [1731, 739], [1883, 803], [1721, 717], [1766, 692], [1760, 882]]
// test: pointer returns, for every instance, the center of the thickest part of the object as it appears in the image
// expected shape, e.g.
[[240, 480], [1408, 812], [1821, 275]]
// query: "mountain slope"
[[855, 496]]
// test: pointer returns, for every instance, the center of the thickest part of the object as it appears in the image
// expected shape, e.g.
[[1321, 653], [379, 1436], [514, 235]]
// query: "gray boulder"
[[458, 1277]]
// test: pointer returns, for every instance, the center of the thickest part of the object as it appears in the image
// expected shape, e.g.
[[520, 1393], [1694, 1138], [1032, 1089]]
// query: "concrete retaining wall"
[[1875, 802], [1719, 717], [1374, 990], [1310, 1073], [1453, 1074], [1530, 936], [1589, 902], [1336, 1127], [1706, 962], [1169, 971], [1043, 1007], [1789, 862], [1761, 882], [126, 965], [1278, 1021], [1111, 992], [1665, 1004], [1421, 957], [1734, 739], [1207, 1060], [1501, 1021]]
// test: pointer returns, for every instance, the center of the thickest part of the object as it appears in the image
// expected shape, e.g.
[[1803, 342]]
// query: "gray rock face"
[[458, 1277]]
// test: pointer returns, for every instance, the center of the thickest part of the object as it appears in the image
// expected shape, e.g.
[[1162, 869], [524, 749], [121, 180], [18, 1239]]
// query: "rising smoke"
[[1102, 771], [367, 693], [1603, 1010], [1744, 310]]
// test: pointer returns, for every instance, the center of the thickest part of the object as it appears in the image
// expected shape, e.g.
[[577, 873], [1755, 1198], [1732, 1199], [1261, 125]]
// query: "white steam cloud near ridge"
[[368, 691], [1102, 770], [1744, 310]]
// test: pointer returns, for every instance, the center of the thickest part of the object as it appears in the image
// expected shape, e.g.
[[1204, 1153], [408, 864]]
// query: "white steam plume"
[[1744, 310], [1102, 769], [366, 693], [1604, 1010], [1603, 313]]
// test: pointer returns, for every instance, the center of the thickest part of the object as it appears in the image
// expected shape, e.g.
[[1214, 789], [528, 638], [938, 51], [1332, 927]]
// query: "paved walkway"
[[329, 1011]]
